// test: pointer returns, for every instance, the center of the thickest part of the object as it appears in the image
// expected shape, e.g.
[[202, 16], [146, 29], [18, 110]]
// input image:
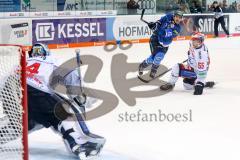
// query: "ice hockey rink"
[[213, 133]]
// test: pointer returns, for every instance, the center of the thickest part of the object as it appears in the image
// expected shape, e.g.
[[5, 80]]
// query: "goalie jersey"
[[40, 69]]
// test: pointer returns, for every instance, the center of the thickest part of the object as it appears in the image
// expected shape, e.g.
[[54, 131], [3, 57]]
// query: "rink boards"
[[68, 32]]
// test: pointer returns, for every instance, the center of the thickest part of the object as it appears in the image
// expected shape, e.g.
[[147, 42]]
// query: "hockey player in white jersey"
[[46, 107], [194, 73]]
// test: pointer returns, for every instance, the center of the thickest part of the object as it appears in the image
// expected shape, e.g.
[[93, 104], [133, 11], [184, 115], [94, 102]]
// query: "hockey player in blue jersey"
[[164, 30]]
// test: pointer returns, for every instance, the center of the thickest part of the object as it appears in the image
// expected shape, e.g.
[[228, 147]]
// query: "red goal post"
[[13, 98]]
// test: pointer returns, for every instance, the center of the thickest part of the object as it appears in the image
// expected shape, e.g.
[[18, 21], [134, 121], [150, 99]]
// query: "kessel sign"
[[66, 31]]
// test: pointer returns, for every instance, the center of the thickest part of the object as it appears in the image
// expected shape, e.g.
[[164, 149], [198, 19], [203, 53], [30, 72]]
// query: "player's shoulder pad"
[[169, 17], [166, 18]]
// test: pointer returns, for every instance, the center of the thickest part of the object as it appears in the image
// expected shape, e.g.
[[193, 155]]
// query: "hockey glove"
[[198, 88], [152, 25]]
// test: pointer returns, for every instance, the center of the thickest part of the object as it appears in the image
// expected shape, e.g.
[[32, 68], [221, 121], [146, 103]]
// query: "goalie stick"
[[75, 108], [79, 62], [83, 96], [147, 81]]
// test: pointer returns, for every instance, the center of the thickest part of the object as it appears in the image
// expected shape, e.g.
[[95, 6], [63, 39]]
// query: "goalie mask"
[[39, 50], [197, 40]]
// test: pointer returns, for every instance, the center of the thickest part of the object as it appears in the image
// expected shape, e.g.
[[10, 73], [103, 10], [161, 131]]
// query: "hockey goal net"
[[13, 103]]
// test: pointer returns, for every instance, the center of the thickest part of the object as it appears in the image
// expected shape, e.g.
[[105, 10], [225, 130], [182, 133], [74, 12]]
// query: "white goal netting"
[[11, 108]]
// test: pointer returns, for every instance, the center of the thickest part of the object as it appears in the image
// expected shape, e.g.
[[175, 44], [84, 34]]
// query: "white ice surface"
[[214, 133]]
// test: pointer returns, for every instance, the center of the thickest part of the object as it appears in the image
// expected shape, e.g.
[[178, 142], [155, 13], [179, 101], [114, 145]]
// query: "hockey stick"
[[143, 11], [77, 51], [83, 95], [147, 81], [78, 114]]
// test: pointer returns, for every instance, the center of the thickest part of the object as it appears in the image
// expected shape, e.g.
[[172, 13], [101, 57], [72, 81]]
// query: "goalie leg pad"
[[77, 141], [72, 137]]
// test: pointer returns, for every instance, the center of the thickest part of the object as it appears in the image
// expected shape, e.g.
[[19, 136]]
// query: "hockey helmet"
[[39, 50], [178, 13], [197, 39], [177, 16]]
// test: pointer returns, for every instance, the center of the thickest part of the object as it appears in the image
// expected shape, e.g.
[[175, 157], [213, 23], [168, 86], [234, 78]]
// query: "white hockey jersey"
[[199, 60], [39, 71]]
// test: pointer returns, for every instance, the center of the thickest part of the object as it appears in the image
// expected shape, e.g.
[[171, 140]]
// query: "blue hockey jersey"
[[166, 30]]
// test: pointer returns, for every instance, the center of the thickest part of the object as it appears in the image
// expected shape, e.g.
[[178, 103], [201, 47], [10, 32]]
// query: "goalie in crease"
[[48, 109]]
